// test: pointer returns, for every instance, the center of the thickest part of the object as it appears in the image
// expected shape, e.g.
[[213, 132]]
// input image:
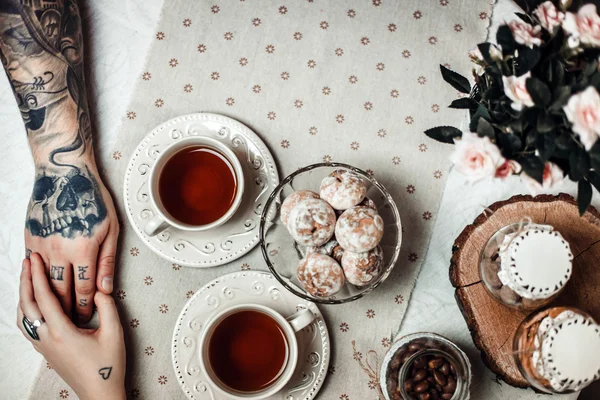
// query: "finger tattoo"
[[83, 302], [56, 272], [105, 372], [28, 254], [81, 274]]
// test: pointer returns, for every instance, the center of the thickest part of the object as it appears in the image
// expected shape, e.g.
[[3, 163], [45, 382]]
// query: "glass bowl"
[[282, 253]]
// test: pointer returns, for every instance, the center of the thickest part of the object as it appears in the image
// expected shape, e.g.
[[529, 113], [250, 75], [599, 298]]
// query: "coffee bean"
[[420, 362], [452, 369], [440, 379], [450, 387], [424, 396], [408, 385], [397, 360], [445, 369], [397, 396], [422, 387], [438, 388], [407, 356], [430, 380], [392, 383], [420, 375], [434, 394], [414, 347], [436, 363], [447, 396]]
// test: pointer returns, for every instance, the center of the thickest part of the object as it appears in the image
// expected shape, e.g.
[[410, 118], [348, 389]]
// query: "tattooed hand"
[[71, 220], [91, 361]]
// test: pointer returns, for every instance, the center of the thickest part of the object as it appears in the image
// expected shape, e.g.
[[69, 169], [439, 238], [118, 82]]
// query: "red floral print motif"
[[311, 63], [399, 299], [228, 35], [230, 101], [146, 76], [121, 294], [285, 144], [406, 54], [312, 130], [447, 65], [243, 61], [483, 15], [458, 28], [331, 370], [176, 267], [444, 3], [148, 281], [283, 10], [131, 115], [285, 76], [370, 172], [256, 21], [327, 159], [188, 88], [394, 93], [135, 393], [376, 3], [189, 294], [173, 62], [160, 35], [270, 49], [187, 22], [435, 108], [159, 103], [339, 118], [245, 267], [396, 160], [134, 251], [201, 48], [298, 103], [365, 41], [48, 365], [353, 79], [392, 27], [422, 80], [432, 40], [417, 14], [326, 91], [344, 397], [162, 380], [271, 115], [256, 88], [427, 215], [386, 342], [354, 145], [410, 189], [324, 25], [344, 327], [372, 384], [380, 66], [149, 350], [298, 36], [64, 393], [381, 133], [163, 308], [215, 9], [368, 106], [409, 120], [134, 323], [357, 355], [422, 147], [339, 52], [412, 257], [351, 13], [215, 76], [437, 174]]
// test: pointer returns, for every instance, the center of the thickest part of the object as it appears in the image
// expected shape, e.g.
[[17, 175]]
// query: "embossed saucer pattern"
[[219, 245], [242, 288]]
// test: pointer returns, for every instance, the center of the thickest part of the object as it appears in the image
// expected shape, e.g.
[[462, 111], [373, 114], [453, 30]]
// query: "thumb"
[[106, 261], [107, 312]]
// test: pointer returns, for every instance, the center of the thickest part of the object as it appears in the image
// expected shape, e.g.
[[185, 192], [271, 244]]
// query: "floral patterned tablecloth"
[[355, 82]]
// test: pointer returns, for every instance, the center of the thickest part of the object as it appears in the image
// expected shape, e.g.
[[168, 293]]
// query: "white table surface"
[[118, 36]]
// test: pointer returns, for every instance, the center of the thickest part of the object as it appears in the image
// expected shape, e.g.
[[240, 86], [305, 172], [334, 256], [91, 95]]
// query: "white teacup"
[[163, 219], [289, 326]]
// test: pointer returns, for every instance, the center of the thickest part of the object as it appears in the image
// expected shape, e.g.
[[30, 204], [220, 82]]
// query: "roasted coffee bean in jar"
[[558, 349], [525, 265], [425, 366]]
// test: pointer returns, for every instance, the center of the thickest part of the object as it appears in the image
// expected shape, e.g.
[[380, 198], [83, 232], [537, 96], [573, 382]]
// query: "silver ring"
[[32, 326]]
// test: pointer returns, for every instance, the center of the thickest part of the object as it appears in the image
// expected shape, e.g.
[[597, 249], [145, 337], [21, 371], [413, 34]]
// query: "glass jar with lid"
[[558, 349], [525, 266]]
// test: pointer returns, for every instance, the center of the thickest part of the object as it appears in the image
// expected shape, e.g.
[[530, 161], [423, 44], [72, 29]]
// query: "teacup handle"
[[156, 225], [301, 319]]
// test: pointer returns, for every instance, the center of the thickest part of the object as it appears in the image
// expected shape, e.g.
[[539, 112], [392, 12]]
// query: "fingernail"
[[24, 264], [107, 283]]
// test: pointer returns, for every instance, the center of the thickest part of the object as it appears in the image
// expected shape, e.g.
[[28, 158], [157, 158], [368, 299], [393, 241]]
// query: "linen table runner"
[[354, 81]]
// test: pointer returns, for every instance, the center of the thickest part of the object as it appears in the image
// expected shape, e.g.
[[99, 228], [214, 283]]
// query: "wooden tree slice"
[[492, 325]]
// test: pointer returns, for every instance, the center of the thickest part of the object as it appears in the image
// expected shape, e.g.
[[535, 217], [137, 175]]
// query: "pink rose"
[[525, 34], [476, 157], [548, 16], [507, 169], [515, 89], [583, 110], [552, 176], [584, 25]]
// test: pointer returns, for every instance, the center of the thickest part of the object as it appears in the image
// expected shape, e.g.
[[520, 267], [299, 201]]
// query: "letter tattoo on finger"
[[82, 269], [56, 272], [83, 302]]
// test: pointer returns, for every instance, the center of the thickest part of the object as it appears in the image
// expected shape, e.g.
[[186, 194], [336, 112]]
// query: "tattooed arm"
[[71, 220]]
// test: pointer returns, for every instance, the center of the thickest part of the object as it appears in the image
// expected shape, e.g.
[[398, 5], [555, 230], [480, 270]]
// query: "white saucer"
[[216, 246], [243, 288]]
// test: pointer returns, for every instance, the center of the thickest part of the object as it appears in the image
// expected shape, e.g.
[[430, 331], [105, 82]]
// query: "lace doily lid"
[[567, 351], [536, 261]]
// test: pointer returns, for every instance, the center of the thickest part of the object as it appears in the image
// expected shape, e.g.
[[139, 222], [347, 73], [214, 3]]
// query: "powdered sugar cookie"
[[343, 189], [361, 269], [320, 275], [359, 229], [290, 202], [311, 222]]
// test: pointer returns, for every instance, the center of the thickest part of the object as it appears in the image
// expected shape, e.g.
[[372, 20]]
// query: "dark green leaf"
[[544, 123], [526, 60], [545, 145], [579, 163], [584, 196], [558, 72], [484, 48], [465, 103], [457, 81], [560, 97], [509, 144], [485, 129], [590, 67], [480, 112], [505, 38], [539, 92], [594, 179], [564, 141], [524, 17], [595, 80], [532, 166], [595, 156], [444, 134]]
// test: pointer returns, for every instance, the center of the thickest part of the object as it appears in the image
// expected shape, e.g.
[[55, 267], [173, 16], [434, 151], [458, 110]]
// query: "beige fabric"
[[355, 82]]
